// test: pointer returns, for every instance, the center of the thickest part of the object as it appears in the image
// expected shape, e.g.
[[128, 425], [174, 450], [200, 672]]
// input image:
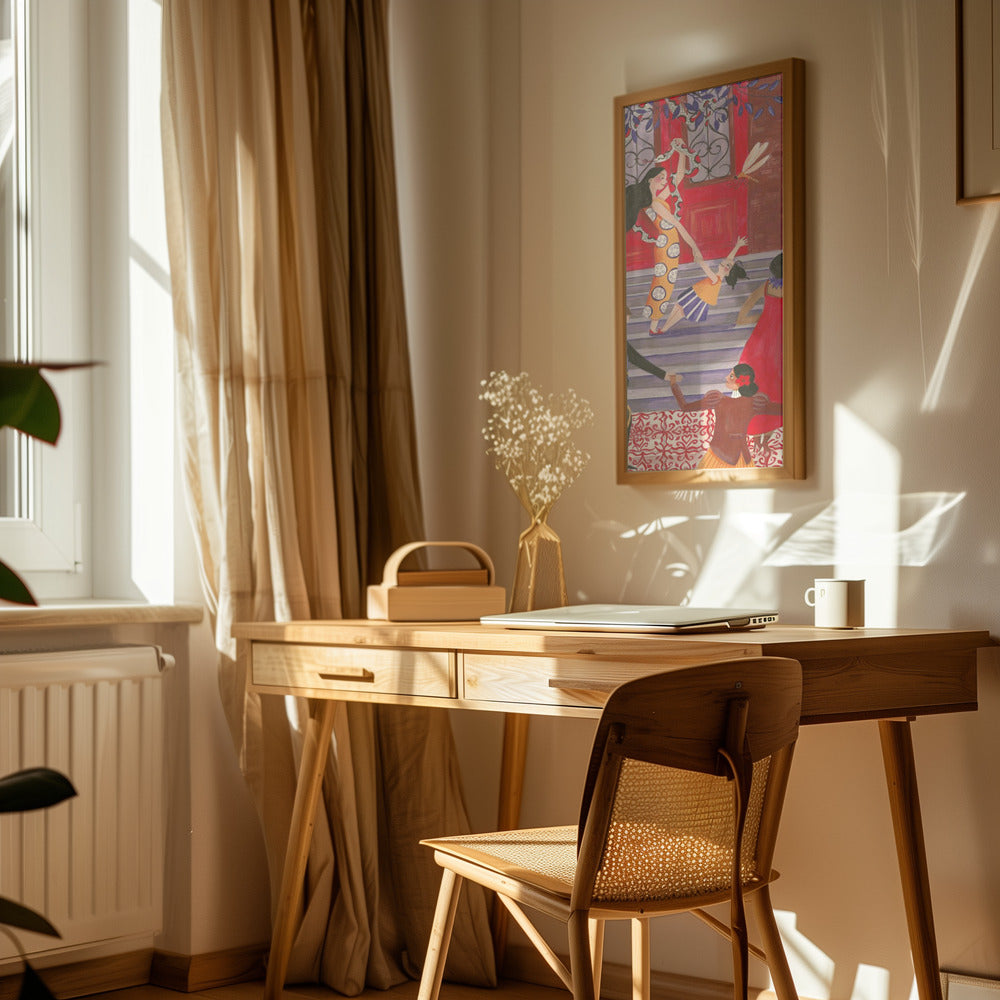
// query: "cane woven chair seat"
[[544, 857], [671, 837], [680, 810]]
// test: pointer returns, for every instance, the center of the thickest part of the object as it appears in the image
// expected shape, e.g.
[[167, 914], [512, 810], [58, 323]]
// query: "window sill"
[[81, 614]]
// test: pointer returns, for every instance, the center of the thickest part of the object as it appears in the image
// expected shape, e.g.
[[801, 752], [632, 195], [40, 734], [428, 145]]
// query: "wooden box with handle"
[[436, 595]]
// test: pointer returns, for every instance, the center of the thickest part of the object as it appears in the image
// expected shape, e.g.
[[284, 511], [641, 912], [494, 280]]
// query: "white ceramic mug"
[[838, 603]]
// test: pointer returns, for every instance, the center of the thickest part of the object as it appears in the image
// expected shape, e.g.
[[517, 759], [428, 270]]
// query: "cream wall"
[[504, 144]]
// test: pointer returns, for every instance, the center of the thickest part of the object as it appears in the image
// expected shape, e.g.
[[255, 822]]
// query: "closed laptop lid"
[[635, 618]]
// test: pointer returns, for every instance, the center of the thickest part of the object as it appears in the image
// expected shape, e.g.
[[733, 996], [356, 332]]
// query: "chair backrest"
[[687, 775]]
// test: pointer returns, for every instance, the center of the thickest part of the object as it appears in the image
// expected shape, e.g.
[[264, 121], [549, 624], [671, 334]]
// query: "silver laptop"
[[656, 618]]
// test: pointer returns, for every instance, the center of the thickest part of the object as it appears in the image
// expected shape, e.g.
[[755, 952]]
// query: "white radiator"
[[92, 865]]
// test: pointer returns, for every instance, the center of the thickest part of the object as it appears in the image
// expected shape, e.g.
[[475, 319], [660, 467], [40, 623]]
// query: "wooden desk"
[[890, 675]]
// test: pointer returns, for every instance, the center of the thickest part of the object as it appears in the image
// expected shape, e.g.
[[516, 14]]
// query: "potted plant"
[[28, 404]]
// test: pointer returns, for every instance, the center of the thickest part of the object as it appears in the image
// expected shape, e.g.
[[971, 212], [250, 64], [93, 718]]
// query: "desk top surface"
[[799, 641]]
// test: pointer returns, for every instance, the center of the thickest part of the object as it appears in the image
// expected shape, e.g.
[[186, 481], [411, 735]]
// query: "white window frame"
[[49, 546]]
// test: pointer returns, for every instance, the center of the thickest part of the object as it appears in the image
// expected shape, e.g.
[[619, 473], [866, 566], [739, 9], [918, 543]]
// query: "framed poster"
[[977, 37], [709, 299]]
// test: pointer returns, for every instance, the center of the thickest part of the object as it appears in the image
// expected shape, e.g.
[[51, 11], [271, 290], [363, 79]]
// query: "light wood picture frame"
[[709, 279], [977, 89]]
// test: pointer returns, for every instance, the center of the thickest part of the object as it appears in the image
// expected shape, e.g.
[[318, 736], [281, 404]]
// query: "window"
[[45, 309], [13, 499]]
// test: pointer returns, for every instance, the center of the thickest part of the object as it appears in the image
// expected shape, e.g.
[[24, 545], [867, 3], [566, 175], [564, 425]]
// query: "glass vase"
[[539, 581]]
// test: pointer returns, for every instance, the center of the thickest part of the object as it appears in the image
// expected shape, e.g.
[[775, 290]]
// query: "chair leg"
[[640, 959], [777, 962], [580, 964], [437, 947], [741, 959], [597, 951]]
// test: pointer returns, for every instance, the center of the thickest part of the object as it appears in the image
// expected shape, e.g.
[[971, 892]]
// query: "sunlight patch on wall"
[[748, 536], [653, 527], [987, 224], [747, 526], [866, 476], [871, 983], [914, 216], [925, 522], [150, 328], [811, 968], [880, 108]]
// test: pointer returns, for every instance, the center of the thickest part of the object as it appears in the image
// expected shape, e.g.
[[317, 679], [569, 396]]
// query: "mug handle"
[[812, 591]]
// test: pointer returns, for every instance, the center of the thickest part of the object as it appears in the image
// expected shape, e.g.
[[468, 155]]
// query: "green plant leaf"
[[32, 987], [15, 915], [34, 788], [12, 587], [27, 402]]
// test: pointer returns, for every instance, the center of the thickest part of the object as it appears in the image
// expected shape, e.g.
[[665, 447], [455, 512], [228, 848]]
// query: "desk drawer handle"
[[349, 674], [579, 684]]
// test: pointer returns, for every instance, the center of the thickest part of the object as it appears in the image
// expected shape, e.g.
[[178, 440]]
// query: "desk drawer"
[[545, 680], [428, 673]]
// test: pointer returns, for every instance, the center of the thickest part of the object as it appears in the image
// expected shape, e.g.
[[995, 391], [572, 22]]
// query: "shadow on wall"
[[813, 969], [904, 64], [682, 549], [721, 556]]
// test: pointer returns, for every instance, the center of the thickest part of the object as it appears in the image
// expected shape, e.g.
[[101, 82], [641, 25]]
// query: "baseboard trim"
[[191, 973], [182, 973], [92, 975]]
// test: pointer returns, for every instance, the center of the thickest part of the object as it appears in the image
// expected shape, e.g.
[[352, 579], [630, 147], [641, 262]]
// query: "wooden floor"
[[408, 991]]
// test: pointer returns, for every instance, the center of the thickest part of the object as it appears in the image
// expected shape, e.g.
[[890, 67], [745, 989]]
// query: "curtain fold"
[[299, 447]]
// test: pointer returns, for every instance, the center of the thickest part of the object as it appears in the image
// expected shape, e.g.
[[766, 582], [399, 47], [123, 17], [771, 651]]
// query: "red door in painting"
[[720, 127], [714, 208]]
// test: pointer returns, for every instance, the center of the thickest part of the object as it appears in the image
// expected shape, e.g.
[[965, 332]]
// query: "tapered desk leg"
[[315, 746], [515, 745], [901, 779]]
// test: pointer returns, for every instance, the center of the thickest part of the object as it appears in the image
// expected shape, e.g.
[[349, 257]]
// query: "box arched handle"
[[393, 563]]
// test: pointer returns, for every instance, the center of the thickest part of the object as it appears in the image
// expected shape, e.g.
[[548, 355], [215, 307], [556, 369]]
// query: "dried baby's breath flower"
[[529, 438]]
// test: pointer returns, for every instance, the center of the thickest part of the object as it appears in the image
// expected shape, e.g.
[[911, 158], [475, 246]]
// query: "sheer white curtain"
[[299, 454]]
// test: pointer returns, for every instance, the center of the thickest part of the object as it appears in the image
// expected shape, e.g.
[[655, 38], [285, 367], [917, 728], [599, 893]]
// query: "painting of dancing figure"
[[709, 277]]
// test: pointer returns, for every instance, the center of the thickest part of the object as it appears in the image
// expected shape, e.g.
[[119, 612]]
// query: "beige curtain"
[[299, 457]]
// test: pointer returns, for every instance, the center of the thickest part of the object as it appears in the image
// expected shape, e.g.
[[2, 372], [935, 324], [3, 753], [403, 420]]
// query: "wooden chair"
[[680, 810]]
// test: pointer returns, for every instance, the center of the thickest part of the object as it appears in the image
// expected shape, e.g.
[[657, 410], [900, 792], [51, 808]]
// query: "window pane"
[[10, 505]]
